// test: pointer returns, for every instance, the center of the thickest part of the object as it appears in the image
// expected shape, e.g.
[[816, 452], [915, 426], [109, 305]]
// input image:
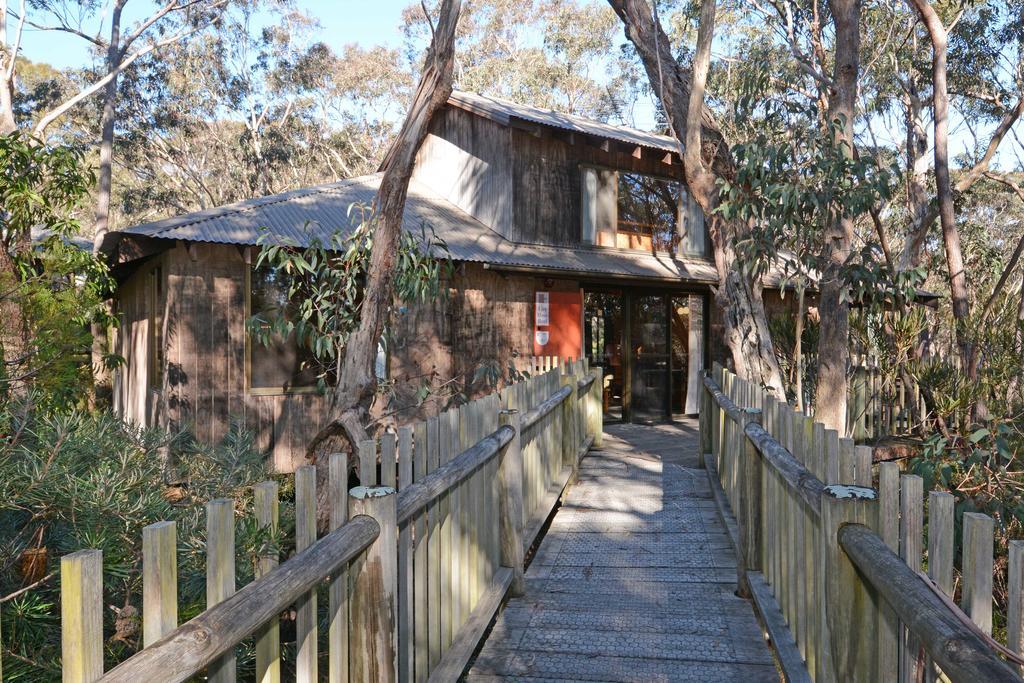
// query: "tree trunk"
[[101, 377], [706, 157], [7, 72], [357, 381], [959, 296], [834, 308], [798, 349]]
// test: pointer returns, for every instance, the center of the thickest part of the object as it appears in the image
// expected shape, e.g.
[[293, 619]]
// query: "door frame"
[[667, 292]]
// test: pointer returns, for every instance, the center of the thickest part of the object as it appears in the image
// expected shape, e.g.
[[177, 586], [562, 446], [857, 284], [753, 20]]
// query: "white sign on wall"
[[543, 310], [542, 337]]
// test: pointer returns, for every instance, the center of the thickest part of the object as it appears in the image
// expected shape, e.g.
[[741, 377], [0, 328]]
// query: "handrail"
[[958, 651], [585, 383], [793, 473], [726, 403], [417, 496], [537, 414], [188, 649]]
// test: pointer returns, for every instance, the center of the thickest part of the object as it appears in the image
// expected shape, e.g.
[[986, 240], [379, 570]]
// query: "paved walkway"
[[635, 579]]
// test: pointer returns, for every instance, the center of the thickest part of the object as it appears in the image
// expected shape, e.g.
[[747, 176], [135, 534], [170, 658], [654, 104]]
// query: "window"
[[636, 211], [648, 212], [282, 365]]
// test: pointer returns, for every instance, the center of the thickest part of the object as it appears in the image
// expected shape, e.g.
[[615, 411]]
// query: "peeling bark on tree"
[[959, 296], [357, 381], [830, 397], [706, 157]]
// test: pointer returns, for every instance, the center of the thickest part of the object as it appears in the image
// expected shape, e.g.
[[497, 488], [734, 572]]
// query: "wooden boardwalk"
[[635, 579]]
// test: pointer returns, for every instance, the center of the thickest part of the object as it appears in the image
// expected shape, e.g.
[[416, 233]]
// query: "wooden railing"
[[419, 559], [881, 405], [833, 563]]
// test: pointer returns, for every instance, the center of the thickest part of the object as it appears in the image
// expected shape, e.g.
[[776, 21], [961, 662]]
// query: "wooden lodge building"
[[571, 238]]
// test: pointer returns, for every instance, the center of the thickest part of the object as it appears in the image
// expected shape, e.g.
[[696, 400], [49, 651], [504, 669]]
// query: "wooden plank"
[[1015, 611], [850, 616], [159, 581], [421, 625], [406, 665], [388, 453], [911, 532], [940, 549], [220, 573], [81, 616], [862, 457], [434, 519], [337, 627], [305, 606], [447, 537], [454, 662], [976, 597], [889, 531], [268, 637], [511, 504], [373, 655], [786, 653], [368, 463]]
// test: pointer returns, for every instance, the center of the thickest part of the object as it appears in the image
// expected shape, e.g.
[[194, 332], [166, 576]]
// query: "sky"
[[367, 22]]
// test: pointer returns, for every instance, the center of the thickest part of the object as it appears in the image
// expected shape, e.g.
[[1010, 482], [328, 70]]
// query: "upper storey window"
[[643, 212]]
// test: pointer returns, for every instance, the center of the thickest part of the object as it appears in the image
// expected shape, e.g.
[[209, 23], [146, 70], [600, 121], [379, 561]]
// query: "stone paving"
[[635, 579]]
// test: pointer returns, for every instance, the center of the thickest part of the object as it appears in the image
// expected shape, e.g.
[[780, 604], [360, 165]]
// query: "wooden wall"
[[466, 159], [523, 184], [546, 182], [203, 388], [486, 318]]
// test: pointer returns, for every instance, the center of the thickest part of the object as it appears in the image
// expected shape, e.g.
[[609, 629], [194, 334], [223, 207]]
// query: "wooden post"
[[337, 628], [368, 463], [305, 607], [406, 664], [220, 573], [568, 423], [268, 637], [159, 581], [704, 420], [81, 616], [1015, 612], [863, 459], [940, 550], [976, 599], [597, 407], [911, 532], [849, 603], [511, 478], [749, 519], [373, 657], [889, 532]]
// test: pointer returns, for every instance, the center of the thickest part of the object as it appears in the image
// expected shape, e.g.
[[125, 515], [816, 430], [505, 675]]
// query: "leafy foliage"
[[323, 286], [50, 288], [71, 480]]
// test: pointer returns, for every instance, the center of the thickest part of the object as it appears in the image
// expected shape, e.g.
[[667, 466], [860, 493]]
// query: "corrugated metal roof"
[[503, 111], [318, 212]]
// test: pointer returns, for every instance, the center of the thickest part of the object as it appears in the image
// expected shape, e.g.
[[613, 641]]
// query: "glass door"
[[603, 327], [649, 344], [679, 313]]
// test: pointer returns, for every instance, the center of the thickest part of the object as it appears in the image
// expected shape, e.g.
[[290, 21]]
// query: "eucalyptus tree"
[[557, 54]]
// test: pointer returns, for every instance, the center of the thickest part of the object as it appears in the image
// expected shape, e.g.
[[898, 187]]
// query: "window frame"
[[682, 212], [248, 349]]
